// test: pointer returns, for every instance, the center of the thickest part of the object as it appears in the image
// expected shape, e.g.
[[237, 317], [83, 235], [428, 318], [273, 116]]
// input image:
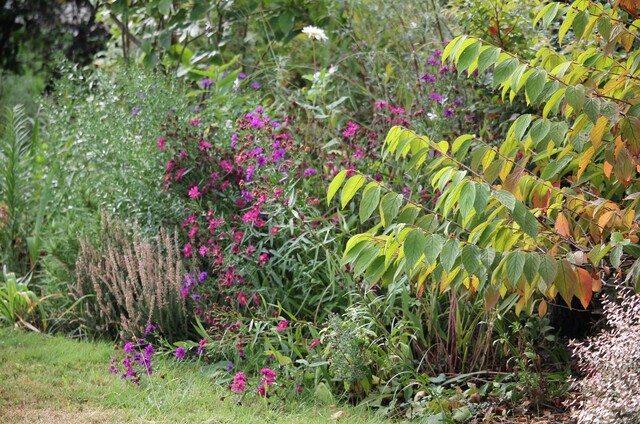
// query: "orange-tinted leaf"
[[607, 168], [542, 308], [626, 39], [585, 160], [584, 287], [596, 284], [562, 225], [604, 219], [491, 297], [624, 168], [541, 201], [629, 6]]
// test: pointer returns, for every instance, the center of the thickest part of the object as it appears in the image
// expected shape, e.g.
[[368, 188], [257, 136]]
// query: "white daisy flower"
[[315, 33]]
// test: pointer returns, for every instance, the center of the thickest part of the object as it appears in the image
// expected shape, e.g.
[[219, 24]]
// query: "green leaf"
[[467, 198], [164, 7], [449, 254], [468, 56], [335, 185], [488, 57], [514, 266], [470, 258], [548, 268], [539, 130], [520, 126], [525, 219], [550, 14], [575, 96], [433, 247], [285, 22], [503, 71], [370, 200], [408, 214], [506, 198], [531, 266], [535, 83], [351, 188], [389, 207], [555, 168], [616, 255], [580, 24], [566, 281], [452, 48], [414, 247], [483, 192], [592, 109], [366, 257]]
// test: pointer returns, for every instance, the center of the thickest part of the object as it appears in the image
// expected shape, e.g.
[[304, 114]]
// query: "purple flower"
[[261, 160], [449, 113], [135, 110], [309, 172], [234, 140], [149, 329], [436, 97], [278, 155], [206, 82], [428, 78], [196, 297], [129, 347], [202, 277], [457, 102], [242, 75], [247, 195], [180, 352], [255, 86], [229, 366], [433, 61]]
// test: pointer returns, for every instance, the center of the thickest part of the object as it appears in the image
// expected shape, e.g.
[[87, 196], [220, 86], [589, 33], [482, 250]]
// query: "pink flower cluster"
[[239, 383]]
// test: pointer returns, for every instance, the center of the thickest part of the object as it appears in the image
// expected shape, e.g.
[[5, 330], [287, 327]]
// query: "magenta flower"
[[187, 250], [436, 97], [262, 391], [194, 192], [161, 143], [268, 376], [351, 129], [243, 299], [239, 383], [180, 352], [201, 344], [282, 326], [313, 344]]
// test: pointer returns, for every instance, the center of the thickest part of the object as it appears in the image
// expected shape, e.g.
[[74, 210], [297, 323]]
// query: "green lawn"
[[56, 380]]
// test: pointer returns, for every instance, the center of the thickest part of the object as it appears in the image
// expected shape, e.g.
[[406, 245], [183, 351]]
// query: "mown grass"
[[51, 379]]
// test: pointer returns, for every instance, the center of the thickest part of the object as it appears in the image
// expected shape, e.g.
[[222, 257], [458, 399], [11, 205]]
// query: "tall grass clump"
[[135, 281]]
